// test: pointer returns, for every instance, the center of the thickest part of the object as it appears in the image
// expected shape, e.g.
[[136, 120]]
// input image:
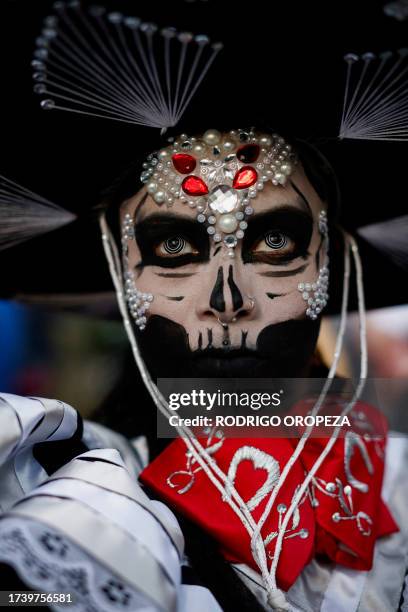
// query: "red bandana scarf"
[[339, 518]]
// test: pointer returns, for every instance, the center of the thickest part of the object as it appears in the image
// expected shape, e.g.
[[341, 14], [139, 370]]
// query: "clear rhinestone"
[[230, 241], [145, 176], [223, 199], [229, 158]]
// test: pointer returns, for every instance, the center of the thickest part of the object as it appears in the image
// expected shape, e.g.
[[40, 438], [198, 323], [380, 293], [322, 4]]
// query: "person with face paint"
[[212, 265], [223, 250]]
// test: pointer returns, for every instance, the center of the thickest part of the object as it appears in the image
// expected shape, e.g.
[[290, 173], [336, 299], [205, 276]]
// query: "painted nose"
[[228, 302]]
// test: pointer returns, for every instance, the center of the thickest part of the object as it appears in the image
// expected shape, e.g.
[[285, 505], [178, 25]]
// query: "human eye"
[[275, 242], [277, 237], [168, 241], [174, 246], [275, 246]]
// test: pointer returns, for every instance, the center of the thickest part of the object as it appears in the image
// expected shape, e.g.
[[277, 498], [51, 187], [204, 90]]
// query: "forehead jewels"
[[218, 176]]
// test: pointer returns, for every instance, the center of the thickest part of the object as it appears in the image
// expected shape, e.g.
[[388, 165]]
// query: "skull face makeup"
[[207, 313]]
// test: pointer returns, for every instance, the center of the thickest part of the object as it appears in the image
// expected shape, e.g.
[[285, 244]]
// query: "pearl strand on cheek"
[[138, 302], [316, 294]]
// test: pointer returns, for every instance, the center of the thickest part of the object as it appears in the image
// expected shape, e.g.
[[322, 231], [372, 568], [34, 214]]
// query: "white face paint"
[[218, 300]]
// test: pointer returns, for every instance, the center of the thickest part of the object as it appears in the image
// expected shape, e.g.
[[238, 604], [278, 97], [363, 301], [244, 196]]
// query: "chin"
[[282, 350]]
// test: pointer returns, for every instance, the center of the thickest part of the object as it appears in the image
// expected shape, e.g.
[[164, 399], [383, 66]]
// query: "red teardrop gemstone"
[[183, 163], [248, 154], [194, 186], [245, 177]]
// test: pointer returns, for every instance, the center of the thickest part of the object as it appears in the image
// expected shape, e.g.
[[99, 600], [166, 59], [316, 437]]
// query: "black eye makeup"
[[278, 237], [170, 241]]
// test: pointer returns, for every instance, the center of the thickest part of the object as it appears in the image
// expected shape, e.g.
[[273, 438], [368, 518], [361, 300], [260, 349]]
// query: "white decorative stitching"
[[260, 460], [351, 441]]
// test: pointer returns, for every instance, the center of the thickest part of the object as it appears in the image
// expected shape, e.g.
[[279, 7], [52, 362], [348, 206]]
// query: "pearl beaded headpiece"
[[218, 176]]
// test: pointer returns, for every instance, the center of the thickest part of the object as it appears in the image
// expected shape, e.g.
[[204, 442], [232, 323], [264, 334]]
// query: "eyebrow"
[[299, 203], [301, 212], [169, 217]]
